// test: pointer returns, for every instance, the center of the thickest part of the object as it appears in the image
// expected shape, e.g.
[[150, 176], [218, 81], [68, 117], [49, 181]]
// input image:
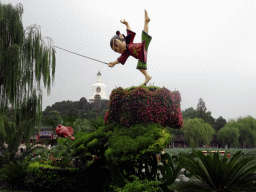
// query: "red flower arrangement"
[[141, 105]]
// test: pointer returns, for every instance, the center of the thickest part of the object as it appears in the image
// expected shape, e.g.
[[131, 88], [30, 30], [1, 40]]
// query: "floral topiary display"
[[131, 134], [143, 104]]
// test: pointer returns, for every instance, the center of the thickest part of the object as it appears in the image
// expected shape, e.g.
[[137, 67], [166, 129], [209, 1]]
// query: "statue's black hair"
[[116, 37]]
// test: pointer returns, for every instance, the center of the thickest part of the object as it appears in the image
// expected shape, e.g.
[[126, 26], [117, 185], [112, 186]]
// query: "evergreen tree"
[[220, 122], [201, 109], [189, 113], [24, 59], [209, 119], [82, 104]]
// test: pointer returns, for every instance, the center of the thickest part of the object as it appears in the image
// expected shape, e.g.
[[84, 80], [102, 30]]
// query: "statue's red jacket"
[[137, 50]]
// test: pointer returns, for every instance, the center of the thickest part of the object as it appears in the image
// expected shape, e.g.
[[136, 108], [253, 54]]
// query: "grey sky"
[[203, 49]]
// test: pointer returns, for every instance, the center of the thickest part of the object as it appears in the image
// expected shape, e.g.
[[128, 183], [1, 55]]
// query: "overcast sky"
[[202, 48]]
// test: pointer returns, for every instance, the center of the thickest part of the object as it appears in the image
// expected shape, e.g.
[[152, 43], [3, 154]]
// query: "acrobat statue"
[[124, 45]]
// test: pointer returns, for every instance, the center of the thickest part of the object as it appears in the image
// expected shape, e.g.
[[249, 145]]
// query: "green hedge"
[[49, 177]]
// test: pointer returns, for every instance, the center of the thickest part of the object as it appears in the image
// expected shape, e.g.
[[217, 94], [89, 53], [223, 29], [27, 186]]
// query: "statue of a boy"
[[125, 46]]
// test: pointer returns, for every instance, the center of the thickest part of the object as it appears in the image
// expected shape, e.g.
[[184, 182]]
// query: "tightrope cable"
[[81, 55]]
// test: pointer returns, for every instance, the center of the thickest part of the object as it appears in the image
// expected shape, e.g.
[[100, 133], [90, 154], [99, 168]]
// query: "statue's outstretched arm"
[[126, 23]]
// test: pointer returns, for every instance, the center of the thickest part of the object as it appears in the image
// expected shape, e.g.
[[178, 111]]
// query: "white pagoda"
[[98, 90]]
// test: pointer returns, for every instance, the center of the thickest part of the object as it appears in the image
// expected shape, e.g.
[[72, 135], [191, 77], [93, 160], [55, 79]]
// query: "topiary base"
[[143, 104], [137, 142]]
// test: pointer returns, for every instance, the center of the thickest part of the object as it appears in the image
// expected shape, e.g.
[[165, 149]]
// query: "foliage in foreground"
[[123, 144], [218, 173], [139, 185], [12, 134], [14, 175], [237, 168]]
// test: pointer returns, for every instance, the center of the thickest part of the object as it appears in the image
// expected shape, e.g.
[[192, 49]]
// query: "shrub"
[[136, 142], [14, 175], [92, 143], [43, 175], [138, 186]]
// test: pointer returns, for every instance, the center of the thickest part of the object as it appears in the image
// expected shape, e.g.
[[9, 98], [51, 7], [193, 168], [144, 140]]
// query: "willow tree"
[[197, 132], [25, 59], [229, 135]]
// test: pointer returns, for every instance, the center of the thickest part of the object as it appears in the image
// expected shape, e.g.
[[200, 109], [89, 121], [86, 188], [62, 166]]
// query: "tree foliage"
[[201, 112], [82, 104], [219, 123], [189, 113], [70, 111], [228, 135], [82, 125], [247, 130], [197, 132], [201, 109], [25, 58], [209, 119]]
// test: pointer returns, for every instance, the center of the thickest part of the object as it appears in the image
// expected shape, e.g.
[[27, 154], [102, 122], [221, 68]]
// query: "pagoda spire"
[[98, 77]]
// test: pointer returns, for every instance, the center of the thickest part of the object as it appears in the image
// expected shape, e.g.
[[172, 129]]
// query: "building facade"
[[45, 133]]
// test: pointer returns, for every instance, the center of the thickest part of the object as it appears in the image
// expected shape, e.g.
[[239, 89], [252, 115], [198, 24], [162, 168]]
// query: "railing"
[[222, 153], [24, 147], [182, 177]]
